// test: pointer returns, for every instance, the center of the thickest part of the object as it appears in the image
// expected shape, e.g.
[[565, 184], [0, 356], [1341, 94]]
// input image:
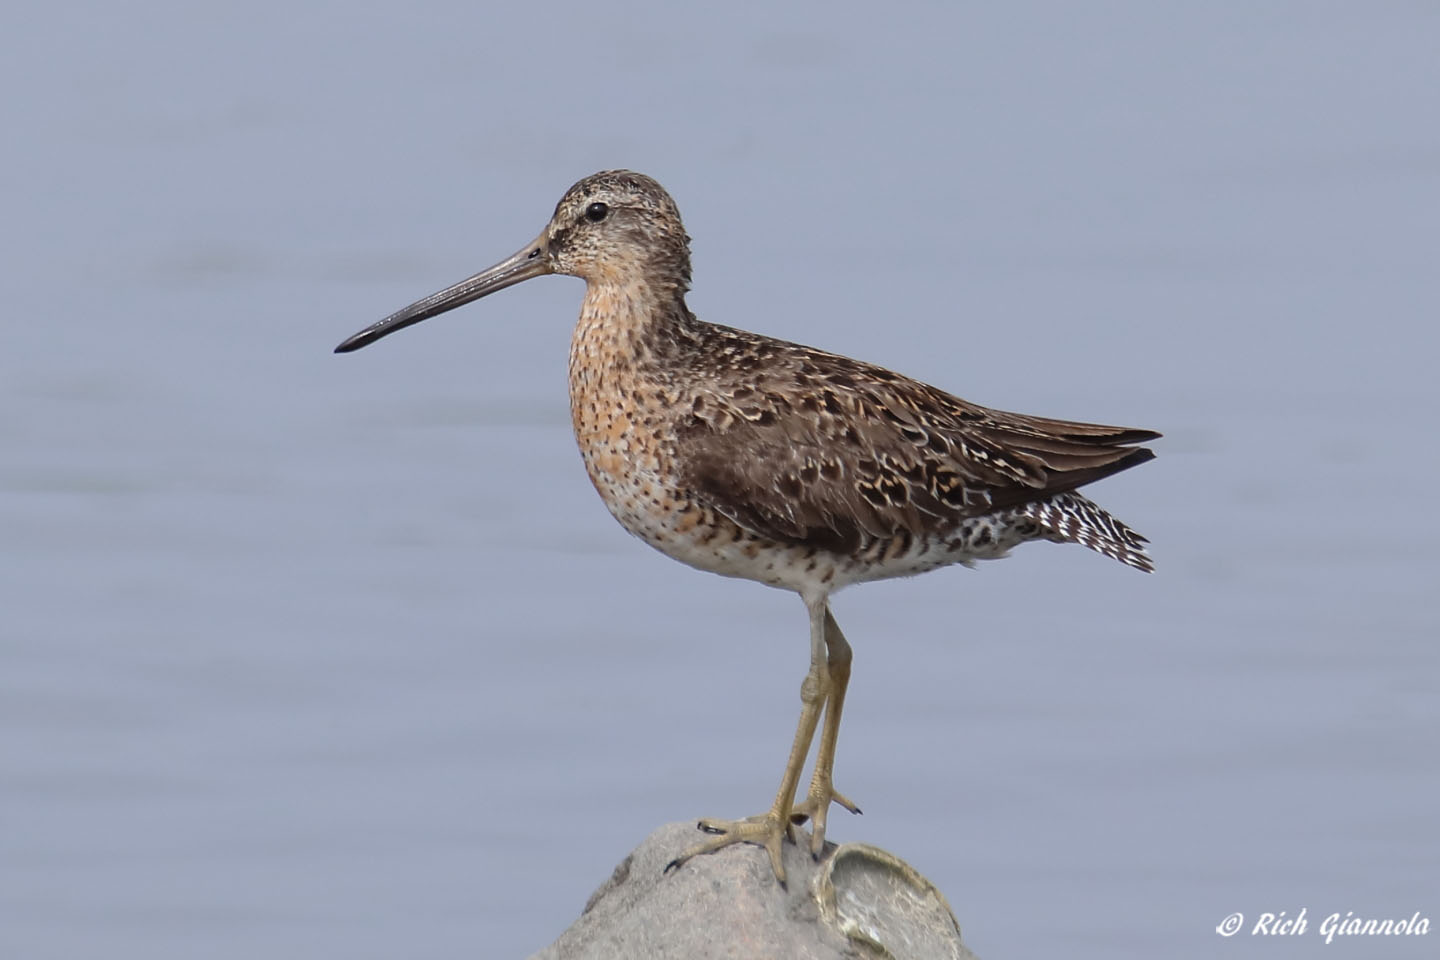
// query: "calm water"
[[305, 655]]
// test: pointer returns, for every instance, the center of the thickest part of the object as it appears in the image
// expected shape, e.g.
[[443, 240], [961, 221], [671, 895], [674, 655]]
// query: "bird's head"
[[613, 227]]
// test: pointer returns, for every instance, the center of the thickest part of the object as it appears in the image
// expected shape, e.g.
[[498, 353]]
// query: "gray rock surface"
[[857, 902]]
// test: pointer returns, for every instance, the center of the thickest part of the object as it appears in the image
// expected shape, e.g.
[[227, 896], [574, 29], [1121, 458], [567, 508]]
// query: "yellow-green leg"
[[816, 804], [769, 829]]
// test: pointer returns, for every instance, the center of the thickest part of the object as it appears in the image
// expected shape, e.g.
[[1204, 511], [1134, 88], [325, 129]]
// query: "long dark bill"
[[530, 261]]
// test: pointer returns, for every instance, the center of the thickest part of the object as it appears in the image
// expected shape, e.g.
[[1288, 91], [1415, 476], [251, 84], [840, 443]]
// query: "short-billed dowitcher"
[[756, 458]]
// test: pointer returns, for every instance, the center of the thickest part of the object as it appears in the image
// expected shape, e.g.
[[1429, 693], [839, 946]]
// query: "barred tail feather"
[[1070, 518]]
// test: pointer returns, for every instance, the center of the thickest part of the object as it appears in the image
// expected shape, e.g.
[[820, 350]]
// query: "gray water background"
[[317, 656]]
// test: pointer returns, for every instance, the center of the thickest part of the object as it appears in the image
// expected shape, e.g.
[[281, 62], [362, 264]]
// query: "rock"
[[857, 902]]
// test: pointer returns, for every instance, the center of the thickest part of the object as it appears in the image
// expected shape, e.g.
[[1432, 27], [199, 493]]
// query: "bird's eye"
[[596, 212]]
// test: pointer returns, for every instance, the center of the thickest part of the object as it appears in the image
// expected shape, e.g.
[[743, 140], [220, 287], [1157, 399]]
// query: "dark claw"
[[704, 829], [672, 865]]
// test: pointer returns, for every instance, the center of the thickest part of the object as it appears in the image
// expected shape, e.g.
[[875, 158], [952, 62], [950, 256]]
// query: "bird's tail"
[[1071, 518]]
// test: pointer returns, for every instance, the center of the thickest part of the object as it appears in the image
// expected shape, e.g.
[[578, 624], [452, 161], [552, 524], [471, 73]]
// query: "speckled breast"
[[629, 460], [623, 433]]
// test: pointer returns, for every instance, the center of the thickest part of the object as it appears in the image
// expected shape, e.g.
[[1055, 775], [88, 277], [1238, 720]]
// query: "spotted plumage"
[[757, 458]]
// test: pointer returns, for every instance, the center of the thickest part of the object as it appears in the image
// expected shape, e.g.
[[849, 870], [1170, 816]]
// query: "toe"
[[817, 836], [772, 847]]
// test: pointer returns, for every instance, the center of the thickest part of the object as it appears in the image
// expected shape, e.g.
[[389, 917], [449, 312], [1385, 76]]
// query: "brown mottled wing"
[[853, 453]]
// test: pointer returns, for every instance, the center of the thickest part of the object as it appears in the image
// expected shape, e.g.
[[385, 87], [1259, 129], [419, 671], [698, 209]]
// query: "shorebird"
[[752, 457]]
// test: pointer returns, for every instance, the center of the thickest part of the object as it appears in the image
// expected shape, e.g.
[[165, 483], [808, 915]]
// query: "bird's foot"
[[815, 807], [765, 830]]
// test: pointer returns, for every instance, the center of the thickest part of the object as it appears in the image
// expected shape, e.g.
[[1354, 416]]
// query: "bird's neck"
[[626, 326], [623, 357]]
